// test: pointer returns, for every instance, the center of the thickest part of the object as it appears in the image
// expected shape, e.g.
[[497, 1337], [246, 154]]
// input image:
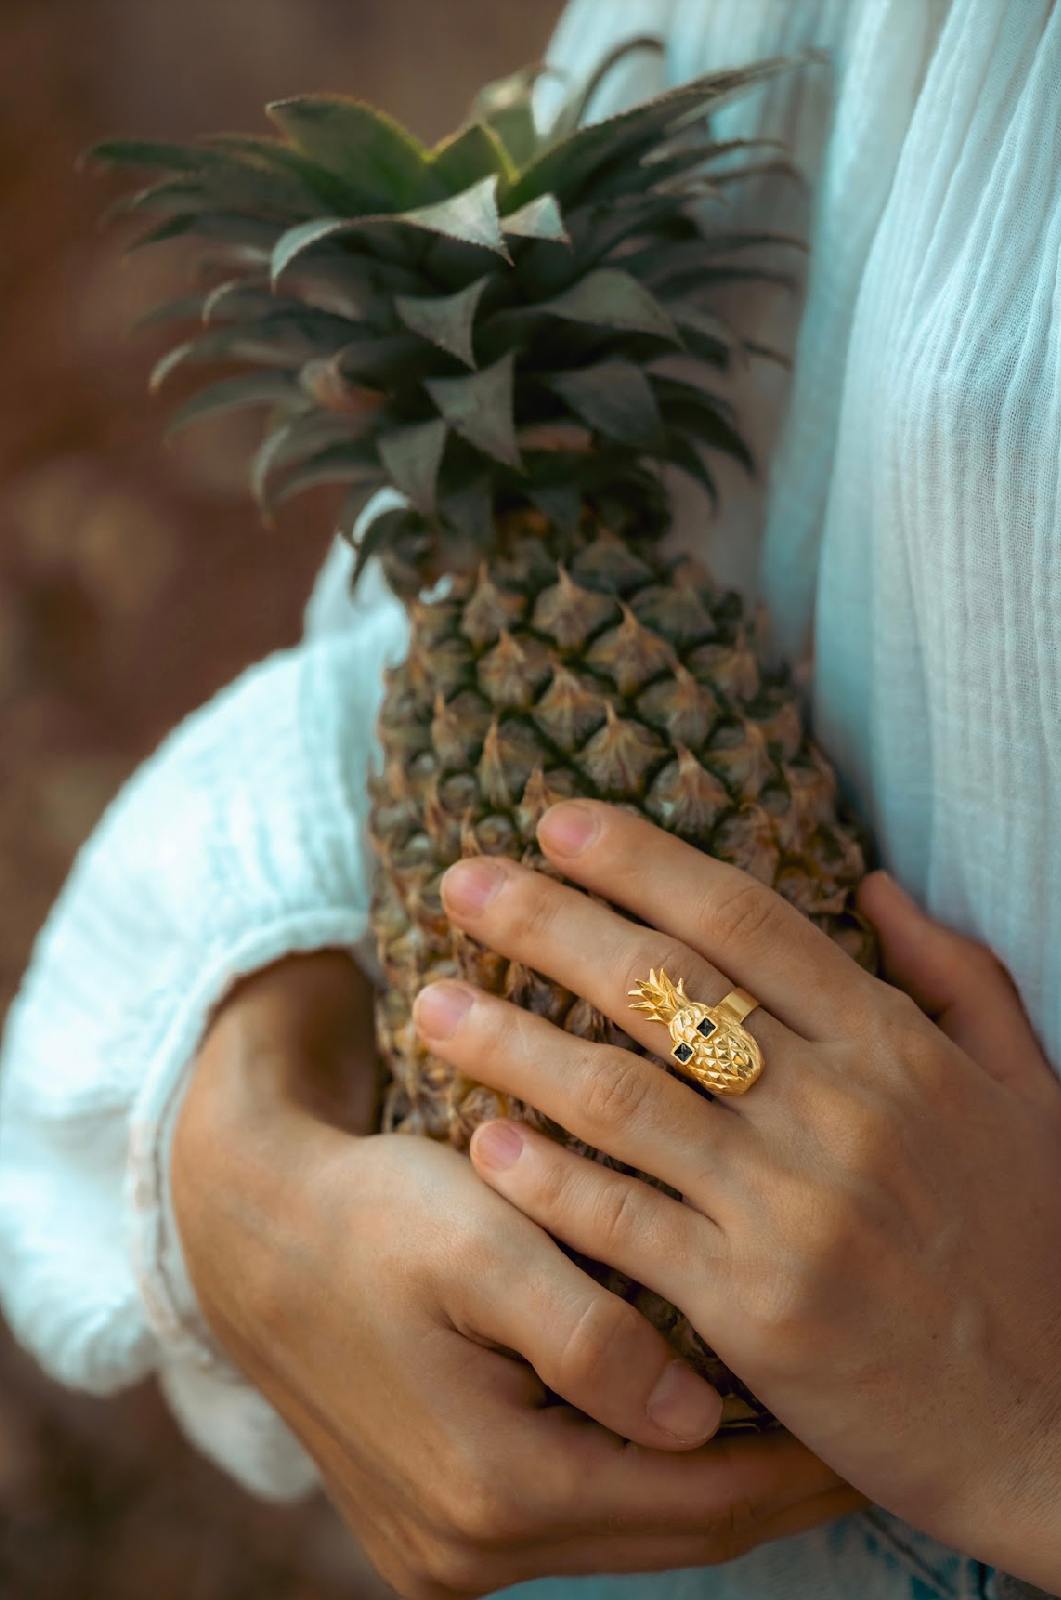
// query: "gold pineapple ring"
[[710, 1044]]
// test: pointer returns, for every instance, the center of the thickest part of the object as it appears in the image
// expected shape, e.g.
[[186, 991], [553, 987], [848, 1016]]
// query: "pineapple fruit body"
[[583, 666], [518, 329]]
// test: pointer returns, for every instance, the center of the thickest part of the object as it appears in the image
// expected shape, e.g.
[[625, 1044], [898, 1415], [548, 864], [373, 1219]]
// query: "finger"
[[602, 1482], [587, 1345], [960, 985], [747, 930], [605, 1214], [724, 1539], [613, 1099], [586, 946]]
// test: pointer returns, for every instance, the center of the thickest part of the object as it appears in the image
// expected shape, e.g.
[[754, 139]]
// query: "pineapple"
[[515, 330]]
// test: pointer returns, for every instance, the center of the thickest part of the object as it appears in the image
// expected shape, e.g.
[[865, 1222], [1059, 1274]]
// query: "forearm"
[[290, 1053], [300, 1034]]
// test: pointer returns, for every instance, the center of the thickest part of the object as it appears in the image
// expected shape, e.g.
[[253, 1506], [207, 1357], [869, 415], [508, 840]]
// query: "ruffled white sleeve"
[[241, 840]]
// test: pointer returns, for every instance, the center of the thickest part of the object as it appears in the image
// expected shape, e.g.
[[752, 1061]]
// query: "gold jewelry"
[[710, 1045]]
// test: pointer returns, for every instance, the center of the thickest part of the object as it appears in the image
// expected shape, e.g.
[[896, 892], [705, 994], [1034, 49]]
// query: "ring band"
[[709, 1043]]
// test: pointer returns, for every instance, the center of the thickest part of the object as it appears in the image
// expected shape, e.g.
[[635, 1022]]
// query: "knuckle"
[[615, 1220], [744, 914], [788, 1293], [450, 1567], [532, 907], [614, 1088], [897, 1013], [911, 1048], [889, 1030], [863, 1128], [606, 1328], [487, 1512]]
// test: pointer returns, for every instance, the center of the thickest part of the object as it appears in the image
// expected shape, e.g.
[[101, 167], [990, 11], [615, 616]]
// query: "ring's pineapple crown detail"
[[708, 1042], [520, 329]]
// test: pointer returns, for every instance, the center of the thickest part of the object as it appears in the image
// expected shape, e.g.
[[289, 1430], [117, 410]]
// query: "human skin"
[[871, 1235], [405, 1320]]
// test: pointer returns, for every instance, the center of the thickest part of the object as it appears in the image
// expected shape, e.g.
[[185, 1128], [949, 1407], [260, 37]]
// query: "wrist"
[[1015, 1524]]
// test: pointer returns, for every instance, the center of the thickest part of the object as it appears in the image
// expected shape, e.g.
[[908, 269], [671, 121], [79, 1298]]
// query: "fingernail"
[[569, 827], [879, 878], [439, 1008], [683, 1405], [468, 885], [896, 888], [497, 1144]]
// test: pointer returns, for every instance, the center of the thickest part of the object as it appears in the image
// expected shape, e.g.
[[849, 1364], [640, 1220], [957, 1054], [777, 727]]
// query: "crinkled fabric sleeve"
[[241, 840]]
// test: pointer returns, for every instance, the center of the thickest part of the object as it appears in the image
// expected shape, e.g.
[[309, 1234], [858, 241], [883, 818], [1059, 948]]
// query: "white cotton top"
[[909, 528]]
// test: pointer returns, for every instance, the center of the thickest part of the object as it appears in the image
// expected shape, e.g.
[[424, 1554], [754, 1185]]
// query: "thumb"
[[960, 985]]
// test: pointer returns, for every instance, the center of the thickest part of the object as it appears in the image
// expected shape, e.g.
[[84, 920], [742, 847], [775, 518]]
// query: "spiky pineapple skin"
[[582, 666]]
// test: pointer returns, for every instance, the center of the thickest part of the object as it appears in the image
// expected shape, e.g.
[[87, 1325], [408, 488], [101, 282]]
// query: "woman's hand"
[[382, 1297], [871, 1237]]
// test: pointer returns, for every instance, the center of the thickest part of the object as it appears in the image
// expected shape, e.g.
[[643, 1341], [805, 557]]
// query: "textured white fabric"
[[909, 529]]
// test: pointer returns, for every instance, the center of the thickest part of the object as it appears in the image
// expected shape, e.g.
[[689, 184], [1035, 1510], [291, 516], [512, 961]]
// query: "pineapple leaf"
[[293, 442], [412, 457], [610, 298], [538, 219], [767, 352], [705, 419], [284, 338], [296, 241], [146, 153], [238, 298], [706, 345], [676, 391], [688, 459], [597, 231], [470, 510], [386, 362], [446, 320], [254, 238], [382, 532], [506, 108], [514, 126], [228, 186], [615, 398], [559, 503], [472, 153], [169, 197], [469, 217], [368, 150], [480, 407], [232, 394], [575, 110], [187, 308], [565, 168], [345, 462], [334, 193]]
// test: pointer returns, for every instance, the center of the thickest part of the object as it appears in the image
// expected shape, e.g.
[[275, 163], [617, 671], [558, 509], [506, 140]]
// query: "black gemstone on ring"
[[706, 1027], [682, 1051]]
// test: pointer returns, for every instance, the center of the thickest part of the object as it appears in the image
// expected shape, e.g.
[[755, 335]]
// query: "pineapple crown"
[[487, 323]]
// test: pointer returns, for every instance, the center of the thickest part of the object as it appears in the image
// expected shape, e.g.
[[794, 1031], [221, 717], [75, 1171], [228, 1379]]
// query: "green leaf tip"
[[446, 320], [480, 408]]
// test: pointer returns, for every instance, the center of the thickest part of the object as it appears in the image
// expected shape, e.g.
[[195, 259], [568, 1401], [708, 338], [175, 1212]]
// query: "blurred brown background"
[[133, 582]]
